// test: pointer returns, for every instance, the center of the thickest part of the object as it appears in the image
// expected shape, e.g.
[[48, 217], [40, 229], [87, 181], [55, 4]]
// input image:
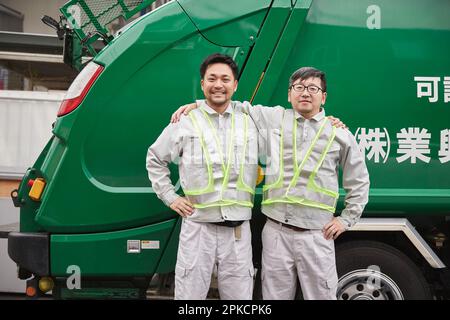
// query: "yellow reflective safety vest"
[[296, 182], [220, 180]]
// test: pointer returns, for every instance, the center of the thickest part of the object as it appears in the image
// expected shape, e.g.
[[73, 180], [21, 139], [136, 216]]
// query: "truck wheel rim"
[[367, 284]]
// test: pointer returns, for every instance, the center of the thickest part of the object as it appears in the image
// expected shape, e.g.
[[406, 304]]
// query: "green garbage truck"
[[91, 225]]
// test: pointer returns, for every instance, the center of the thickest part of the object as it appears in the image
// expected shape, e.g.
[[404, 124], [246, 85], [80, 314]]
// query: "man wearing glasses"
[[304, 152]]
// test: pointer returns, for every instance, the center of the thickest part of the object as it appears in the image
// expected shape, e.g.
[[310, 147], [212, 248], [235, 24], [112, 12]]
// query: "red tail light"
[[79, 88]]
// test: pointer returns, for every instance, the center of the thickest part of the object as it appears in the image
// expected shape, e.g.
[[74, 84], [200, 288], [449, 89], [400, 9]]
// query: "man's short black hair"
[[219, 58], [306, 73]]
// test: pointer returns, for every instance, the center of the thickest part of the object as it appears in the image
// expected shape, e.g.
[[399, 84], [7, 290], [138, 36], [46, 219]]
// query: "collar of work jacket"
[[317, 117], [209, 110]]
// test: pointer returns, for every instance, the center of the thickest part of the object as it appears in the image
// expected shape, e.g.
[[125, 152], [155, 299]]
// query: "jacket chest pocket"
[[193, 152], [194, 163]]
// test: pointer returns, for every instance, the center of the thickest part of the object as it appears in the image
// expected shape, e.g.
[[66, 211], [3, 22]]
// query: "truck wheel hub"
[[367, 284]]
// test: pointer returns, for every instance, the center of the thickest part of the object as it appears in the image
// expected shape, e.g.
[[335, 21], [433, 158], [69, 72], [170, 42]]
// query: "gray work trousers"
[[288, 254], [201, 246]]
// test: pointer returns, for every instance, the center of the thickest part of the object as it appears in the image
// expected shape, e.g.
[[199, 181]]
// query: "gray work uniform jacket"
[[180, 143], [344, 153]]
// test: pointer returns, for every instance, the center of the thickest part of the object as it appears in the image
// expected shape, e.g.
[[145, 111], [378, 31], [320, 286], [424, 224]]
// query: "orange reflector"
[[260, 177], [31, 291], [37, 189]]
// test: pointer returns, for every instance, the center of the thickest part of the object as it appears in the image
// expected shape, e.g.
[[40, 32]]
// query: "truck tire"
[[370, 270]]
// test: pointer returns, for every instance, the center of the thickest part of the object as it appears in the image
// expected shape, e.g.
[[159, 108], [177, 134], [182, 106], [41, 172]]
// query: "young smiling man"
[[217, 150], [304, 152]]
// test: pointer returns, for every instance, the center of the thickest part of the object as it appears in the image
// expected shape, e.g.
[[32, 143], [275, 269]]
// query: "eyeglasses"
[[313, 89]]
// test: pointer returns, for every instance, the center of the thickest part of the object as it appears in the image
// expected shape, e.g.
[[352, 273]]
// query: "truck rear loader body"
[[87, 206]]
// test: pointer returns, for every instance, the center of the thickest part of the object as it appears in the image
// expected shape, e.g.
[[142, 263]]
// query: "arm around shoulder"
[[264, 117]]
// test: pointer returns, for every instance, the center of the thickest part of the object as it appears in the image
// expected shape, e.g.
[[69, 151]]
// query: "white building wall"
[[26, 119]]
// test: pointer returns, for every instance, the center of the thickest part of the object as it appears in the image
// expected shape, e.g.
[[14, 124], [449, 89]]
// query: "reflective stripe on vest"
[[224, 186], [302, 188]]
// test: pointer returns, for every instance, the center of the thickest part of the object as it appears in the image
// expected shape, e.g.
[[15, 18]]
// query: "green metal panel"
[[89, 166], [29, 207], [274, 77], [263, 49], [169, 258], [371, 85], [227, 23], [96, 174], [106, 253]]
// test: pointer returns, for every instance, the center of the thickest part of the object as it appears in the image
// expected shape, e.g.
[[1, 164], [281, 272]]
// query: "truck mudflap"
[[30, 251]]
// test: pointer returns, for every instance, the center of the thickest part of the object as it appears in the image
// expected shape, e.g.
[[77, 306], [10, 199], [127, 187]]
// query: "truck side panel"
[[372, 87]]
